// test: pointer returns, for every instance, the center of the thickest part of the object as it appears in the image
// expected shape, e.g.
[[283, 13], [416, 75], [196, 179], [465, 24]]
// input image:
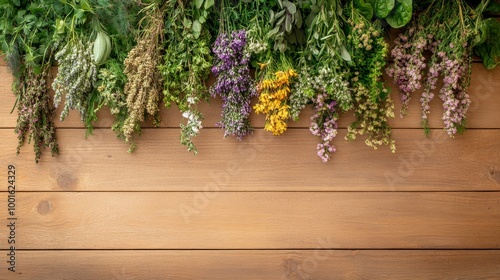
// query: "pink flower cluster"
[[450, 60], [454, 95], [409, 63], [324, 125]]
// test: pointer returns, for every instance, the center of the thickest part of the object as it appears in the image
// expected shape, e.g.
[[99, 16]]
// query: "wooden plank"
[[250, 264], [255, 220], [470, 162], [483, 113]]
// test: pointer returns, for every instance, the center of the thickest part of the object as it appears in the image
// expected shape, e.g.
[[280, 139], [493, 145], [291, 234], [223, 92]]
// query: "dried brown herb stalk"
[[144, 81], [35, 113]]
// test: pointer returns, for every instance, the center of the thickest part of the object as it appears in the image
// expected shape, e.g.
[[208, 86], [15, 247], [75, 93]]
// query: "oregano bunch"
[[372, 103]]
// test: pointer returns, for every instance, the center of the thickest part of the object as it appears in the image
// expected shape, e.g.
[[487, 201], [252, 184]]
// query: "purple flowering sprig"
[[324, 124], [233, 83]]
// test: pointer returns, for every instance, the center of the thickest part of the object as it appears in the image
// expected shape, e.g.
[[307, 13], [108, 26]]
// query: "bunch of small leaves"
[[486, 43], [26, 31], [186, 66], [35, 113], [286, 26], [144, 81], [325, 56], [372, 103], [322, 77]]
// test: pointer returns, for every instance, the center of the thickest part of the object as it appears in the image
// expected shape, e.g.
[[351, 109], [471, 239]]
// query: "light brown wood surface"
[[262, 208], [262, 162], [257, 220], [258, 264]]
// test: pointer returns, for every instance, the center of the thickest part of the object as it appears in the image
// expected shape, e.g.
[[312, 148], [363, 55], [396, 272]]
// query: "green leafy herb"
[[383, 7], [489, 49], [401, 14]]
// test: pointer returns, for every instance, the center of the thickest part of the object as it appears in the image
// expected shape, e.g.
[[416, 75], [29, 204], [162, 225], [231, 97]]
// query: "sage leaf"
[[489, 50], [198, 3], [383, 7], [345, 54], [401, 14], [290, 7], [208, 4], [364, 8]]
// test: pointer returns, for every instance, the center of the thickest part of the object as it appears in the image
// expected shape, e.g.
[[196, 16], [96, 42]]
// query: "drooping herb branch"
[[186, 64], [450, 39], [372, 103], [26, 34], [144, 81]]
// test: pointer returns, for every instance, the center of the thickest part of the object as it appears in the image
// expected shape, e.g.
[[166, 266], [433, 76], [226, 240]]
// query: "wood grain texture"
[[483, 90], [262, 265], [256, 220], [259, 163]]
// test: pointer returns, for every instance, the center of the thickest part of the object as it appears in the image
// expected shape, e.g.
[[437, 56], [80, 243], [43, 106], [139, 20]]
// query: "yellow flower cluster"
[[273, 96]]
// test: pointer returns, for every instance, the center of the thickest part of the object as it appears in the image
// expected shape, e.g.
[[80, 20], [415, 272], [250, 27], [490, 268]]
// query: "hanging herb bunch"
[[276, 74], [231, 67], [274, 91], [111, 45], [186, 63], [26, 31], [77, 72], [372, 103], [144, 81], [447, 30], [323, 74]]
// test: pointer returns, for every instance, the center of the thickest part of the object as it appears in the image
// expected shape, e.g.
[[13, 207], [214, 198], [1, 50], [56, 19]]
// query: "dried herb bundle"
[[35, 113], [144, 81]]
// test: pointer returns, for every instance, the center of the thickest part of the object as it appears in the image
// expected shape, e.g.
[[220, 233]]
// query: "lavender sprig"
[[233, 84]]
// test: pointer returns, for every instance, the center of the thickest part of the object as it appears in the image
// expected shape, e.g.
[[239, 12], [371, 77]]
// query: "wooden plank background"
[[262, 208]]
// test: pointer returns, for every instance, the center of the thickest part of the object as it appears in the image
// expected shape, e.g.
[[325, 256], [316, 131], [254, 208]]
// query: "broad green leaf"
[[196, 26], [291, 38], [493, 7], [298, 19], [383, 7], [401, 14], [187, 23], [301, 37], [208, 4], [271, 17], [310, 18], [85, 6], [364, 8], [198, 3], [489, 50], [290, 7], [273, 32], [345, 54], [288, 23]]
